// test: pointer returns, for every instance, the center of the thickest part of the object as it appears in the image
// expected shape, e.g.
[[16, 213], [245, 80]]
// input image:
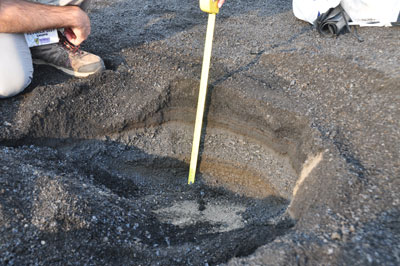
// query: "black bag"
[[333, 22]]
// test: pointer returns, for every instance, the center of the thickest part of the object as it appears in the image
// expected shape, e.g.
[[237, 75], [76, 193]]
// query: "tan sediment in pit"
[[224, 217], [239, 180]]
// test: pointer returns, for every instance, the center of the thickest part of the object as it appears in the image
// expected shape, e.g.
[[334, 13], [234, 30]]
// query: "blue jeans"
[[16, 68]]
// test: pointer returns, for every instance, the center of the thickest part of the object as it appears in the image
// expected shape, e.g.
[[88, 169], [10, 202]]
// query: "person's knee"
[[16, 67], [12, 86]]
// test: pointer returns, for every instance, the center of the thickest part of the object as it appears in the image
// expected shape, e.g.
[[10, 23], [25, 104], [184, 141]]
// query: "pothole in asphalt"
[[248, 168], [241, 192]]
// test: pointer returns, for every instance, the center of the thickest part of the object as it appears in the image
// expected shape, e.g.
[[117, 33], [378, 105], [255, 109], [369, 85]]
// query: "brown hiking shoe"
[[68, 58]]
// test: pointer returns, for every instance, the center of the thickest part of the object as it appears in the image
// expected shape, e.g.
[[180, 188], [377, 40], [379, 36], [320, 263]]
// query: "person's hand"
[[80, 29], [220, 3]]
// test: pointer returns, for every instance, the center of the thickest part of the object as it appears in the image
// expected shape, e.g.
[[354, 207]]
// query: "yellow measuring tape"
[[210, 7]]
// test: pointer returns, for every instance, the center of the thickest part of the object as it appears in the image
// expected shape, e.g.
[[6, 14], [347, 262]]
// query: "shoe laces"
[[75, 49]]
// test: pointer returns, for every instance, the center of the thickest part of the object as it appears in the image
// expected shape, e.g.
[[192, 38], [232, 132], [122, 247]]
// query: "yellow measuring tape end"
[[202, 98], [209, 6]]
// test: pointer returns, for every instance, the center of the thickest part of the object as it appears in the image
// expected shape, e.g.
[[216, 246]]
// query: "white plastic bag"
[[361, 12], [309, 10], [372, 12]]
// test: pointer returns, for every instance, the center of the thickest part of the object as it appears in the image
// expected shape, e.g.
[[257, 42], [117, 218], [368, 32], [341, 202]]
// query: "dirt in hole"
[[197, 224], [136, 207]]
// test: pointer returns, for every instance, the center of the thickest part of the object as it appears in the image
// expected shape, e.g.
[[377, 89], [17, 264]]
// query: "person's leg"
[[16, 68]]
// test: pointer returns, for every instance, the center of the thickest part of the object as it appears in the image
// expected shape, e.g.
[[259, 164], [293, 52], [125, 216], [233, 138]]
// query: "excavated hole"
[[248, 169], [231, 209]]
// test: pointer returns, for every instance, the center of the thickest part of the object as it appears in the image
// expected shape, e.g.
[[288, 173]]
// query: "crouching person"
[[18, 17]]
